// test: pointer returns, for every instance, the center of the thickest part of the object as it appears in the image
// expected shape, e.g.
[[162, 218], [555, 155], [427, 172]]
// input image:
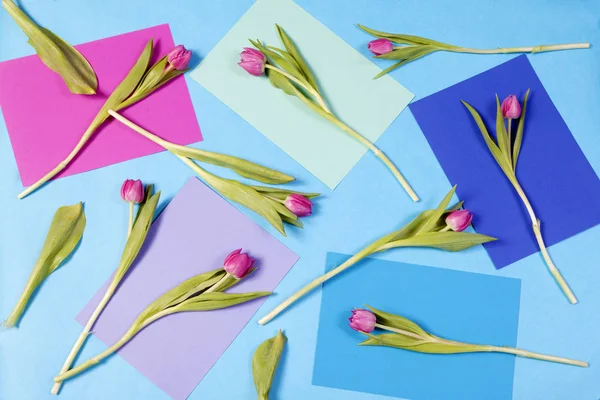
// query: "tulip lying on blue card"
[[441, 228], [506, 153], [407, 335]]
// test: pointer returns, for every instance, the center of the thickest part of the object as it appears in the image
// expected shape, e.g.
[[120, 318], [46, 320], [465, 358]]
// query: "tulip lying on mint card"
[[345, 77], [558, 180]]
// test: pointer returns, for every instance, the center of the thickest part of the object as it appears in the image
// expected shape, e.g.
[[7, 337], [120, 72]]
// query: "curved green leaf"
[[57, 54], [63, 236], [264, 363], [422, 346], [434, 217], [282, 194], [405, 39], [519, 134], [449, 240], [293, 51], [217, 300], [397, 321]]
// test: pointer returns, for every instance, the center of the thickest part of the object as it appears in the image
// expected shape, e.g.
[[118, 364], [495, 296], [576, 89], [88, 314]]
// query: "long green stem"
[[84, 333], [130, 225], [536, 225], [361, 139], [486, 348], [529, 49]]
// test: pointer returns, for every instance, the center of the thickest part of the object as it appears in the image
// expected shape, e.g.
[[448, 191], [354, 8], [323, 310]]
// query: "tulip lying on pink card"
[[195, 233], [45, 121]]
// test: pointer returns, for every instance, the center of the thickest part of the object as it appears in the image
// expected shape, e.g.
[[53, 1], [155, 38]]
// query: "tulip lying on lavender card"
[[194, 234], [451, 304], [345, 77], [45, 120], [555, 174]]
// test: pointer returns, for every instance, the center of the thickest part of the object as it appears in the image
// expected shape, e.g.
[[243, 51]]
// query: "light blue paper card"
[[457, 305], [344, 75]]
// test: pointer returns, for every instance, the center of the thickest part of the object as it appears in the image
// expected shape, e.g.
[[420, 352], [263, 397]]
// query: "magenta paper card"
[[194, 234], [45, 121]]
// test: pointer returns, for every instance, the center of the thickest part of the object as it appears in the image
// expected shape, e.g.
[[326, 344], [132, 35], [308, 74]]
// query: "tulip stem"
[[218, 285], [84, 334], [530, 49], [130, 225], [536, 225]]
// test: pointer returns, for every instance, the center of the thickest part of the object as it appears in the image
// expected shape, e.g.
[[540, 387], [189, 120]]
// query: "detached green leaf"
[[57, 54], [519, 134], [62, 238], [242, 167], [264, 364]]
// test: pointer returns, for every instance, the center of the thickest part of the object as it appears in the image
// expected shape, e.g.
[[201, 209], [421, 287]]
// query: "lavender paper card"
[[193, 234], [559, 181]]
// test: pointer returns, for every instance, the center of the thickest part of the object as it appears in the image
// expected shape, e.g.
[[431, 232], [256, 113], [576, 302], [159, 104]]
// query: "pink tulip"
[[362, 320], [132, 191], [299, 205], [511, 108], [459, 220], [380, 46], [253, 61], [179, 57], [238, 264]]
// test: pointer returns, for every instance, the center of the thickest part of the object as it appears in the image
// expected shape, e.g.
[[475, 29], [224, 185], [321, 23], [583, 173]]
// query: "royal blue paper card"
[[457, 305], [559, 181]]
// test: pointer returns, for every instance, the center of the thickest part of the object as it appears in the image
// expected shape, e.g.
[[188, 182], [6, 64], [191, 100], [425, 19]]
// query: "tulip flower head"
[[459, 220], [179, 57], [511, 108], [238, 264], [132, 191], [362, 320], [380, 46], [253, 61], [299, 205]]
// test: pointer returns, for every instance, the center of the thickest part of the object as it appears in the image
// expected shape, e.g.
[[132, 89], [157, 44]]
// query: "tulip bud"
[[299, 205], [380, 46], [253, 61], [238, 264], [179, 57], [132, 191], [362, 320], [459, 220], [511, 108]]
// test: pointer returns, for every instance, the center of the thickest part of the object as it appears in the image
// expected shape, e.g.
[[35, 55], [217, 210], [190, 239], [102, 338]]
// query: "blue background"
[[365, 205], [450, 304]]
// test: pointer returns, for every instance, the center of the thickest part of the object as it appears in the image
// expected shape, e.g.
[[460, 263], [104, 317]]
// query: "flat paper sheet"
[[559, 181], [45, 121], [344, 75], [194, 234], [456, 305]]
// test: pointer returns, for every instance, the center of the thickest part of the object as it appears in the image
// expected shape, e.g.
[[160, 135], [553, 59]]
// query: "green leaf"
[[496, 152], [282, 194], [151, 77], [295, 222], [501, 134], [449, 240], [519, 134], [264, 363], [422, 52], [246, 196], [130, 83], [407, 52], [405, 39], [281, 82], [217, 300], [293, 51], [434, 217], [242, 167], [63, 236], [136, 239], [57, 54], [422, 346], [397, 321], [282, 210]]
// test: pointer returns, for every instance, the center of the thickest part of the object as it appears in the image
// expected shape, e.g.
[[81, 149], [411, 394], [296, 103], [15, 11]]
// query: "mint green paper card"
[[344, 75]]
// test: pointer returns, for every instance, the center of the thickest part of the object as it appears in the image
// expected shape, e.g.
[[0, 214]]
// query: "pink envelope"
[[45, 121]]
